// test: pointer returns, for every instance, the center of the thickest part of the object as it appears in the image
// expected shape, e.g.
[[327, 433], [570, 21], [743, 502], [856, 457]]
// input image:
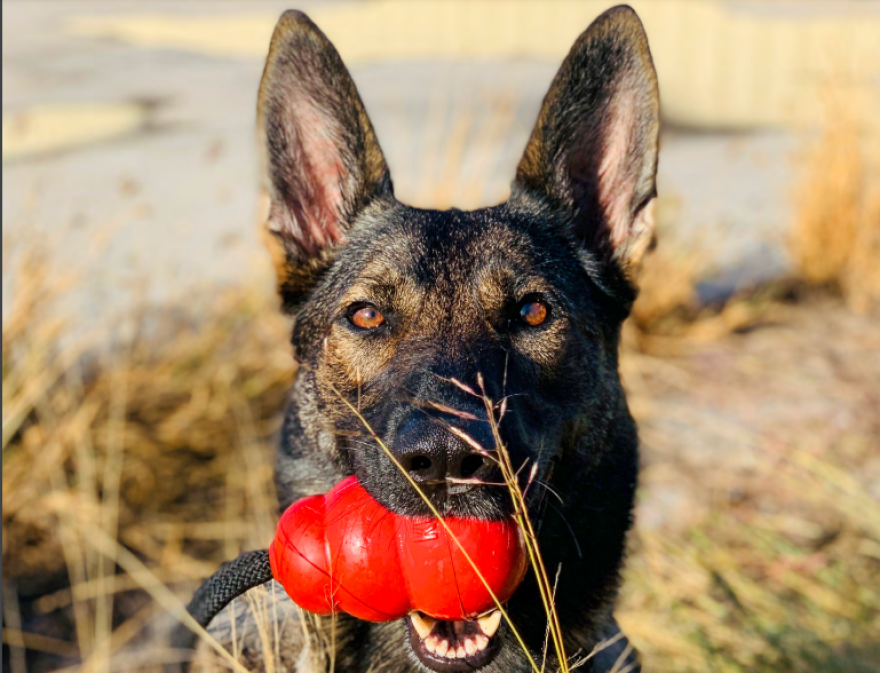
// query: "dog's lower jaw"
[[451, 646]]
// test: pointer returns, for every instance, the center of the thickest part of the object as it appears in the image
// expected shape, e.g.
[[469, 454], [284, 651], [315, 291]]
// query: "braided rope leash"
[[233, 579]]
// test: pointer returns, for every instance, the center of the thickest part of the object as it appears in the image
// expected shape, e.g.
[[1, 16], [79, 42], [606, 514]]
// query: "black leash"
[[234, 578]]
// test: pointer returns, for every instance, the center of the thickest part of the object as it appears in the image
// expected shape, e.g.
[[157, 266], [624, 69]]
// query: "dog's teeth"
[[465, 645], [422, 624], [489, 623]]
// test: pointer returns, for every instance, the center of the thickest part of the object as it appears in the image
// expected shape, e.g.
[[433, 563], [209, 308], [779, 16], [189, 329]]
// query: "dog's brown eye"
[[533, 313], [367, 318]]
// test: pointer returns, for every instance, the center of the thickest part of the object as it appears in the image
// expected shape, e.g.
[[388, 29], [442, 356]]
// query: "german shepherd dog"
[[393, 303]]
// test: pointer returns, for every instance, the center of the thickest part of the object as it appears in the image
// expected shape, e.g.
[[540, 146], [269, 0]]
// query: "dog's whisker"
[[571, 532], [550, 490], [365, 444]]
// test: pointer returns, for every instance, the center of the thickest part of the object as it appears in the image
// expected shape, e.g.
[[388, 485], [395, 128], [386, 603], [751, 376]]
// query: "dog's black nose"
[[432, 453]]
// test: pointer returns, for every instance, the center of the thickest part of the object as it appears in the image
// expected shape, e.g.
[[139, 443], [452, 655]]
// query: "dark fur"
[[449, 284]]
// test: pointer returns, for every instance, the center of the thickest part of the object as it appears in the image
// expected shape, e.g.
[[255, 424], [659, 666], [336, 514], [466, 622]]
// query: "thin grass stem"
[[449, 532]]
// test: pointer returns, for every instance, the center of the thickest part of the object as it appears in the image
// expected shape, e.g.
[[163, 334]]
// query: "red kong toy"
[[344, 552]]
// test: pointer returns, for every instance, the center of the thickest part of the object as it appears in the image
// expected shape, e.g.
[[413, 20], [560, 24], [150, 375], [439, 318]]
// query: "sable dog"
[[391, 302]]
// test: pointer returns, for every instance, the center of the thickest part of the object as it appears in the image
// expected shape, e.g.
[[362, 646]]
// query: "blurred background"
[[145, 364]]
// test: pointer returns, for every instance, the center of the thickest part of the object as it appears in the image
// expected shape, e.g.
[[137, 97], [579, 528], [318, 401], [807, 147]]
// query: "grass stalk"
[[521, 516], [439, 518], [524, 521]]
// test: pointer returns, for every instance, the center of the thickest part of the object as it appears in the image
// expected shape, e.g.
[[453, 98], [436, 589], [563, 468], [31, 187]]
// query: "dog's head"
[[408, 320]]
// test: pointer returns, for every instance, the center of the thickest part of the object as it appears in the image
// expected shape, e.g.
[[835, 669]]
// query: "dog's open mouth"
[[460, 645]]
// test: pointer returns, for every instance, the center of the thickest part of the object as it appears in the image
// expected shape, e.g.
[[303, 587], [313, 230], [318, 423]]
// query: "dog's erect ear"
[[593, 152], [321, 160]]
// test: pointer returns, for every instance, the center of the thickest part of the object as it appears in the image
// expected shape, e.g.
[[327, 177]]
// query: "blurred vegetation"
[[781, 576], [783, 581], [835, 240], [163, 444]]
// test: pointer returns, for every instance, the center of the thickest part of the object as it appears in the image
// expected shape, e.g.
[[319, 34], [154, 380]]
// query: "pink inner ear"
[[324, 172], [616, 183]]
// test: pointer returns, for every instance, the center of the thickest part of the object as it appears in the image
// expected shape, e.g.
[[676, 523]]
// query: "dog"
[[400, 311]]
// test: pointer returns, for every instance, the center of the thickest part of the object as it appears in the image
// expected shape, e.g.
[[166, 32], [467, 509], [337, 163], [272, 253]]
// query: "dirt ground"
[[711, 414]]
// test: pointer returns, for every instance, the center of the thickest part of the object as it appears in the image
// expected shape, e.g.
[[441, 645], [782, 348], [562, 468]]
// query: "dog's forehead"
[[435, 248]]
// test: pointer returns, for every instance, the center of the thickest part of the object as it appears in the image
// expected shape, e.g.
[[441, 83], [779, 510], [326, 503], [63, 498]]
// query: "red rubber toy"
[[344, 552]]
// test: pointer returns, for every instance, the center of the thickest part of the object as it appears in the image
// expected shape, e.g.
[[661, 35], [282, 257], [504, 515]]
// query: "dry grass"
[[667, 316], [835, 238], [744, 588], [502, 459], [162, 443], [774, 568], [756, 545], [667, 297]]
